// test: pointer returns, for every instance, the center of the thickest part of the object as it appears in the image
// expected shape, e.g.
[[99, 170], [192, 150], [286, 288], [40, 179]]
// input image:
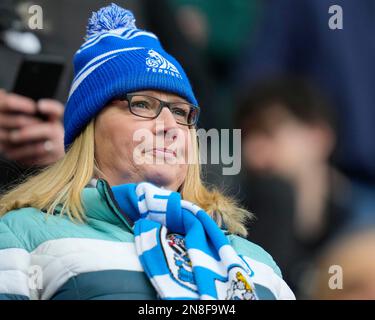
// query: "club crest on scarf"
[[240, 289], [180, 264]]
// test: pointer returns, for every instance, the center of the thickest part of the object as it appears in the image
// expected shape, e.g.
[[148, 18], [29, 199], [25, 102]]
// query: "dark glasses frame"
[[128, 97]]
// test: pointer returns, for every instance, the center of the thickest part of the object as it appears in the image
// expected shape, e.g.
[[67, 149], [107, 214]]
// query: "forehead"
[[162, 95]]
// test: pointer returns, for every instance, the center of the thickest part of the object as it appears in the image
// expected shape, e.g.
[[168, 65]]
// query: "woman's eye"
[[141, 105], [180, 112]]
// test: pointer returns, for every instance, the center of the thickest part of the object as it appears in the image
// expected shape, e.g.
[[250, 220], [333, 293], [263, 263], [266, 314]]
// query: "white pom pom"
[[109, 18]]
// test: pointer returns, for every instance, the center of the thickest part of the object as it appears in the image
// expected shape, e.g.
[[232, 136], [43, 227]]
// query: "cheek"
[[113, 139], [188, 145], [189, 155]]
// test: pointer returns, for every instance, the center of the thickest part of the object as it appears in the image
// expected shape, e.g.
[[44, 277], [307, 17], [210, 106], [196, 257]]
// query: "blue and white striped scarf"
[[211, 269]]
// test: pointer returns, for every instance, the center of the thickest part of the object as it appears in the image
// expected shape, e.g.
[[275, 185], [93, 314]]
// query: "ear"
[[325, 138]]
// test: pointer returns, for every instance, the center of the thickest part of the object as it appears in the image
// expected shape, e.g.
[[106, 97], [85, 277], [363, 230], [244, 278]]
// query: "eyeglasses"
[[150, 107]]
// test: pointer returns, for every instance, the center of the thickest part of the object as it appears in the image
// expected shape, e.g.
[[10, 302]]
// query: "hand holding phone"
[[31, 131], [16, 111], [25, 138]]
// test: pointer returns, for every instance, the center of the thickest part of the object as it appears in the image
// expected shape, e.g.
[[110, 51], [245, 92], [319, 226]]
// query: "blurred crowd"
[[300, 91]]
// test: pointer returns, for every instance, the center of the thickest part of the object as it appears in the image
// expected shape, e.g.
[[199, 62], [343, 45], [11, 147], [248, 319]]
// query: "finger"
[[4, 139], [19, 153], [2, 95], [16, 103], [15, 121], [36, 132], [4, 136], [53, 109]]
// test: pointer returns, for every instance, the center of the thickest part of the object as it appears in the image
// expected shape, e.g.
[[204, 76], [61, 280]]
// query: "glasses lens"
[[144, 106], [193, 115], [181, 112]]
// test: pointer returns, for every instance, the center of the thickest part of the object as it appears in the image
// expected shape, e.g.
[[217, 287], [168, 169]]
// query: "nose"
[[166, 124], [166, 117]]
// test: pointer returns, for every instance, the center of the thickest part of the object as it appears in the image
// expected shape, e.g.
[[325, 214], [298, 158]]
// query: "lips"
[[163, 151]]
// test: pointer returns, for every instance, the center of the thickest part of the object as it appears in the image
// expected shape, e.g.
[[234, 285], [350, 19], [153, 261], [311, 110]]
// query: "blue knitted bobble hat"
[[117, 58]]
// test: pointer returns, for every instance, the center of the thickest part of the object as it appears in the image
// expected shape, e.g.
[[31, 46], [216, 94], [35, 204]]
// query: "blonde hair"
[[63, 182]]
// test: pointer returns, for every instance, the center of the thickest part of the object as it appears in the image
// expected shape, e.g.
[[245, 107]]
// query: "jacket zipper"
[[106, 189]]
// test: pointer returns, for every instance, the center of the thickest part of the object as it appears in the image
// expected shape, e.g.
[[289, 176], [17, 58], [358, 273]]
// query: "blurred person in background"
[[345, 270], [294, 38], [300, 201]]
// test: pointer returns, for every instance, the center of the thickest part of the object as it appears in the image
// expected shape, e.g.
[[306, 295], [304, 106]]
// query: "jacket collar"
[[99, 204]]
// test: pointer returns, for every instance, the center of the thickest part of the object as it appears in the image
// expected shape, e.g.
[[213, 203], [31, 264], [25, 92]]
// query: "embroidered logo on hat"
[[157, 63]]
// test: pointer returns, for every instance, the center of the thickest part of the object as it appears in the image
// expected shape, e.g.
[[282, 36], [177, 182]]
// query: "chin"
[[161, 175]]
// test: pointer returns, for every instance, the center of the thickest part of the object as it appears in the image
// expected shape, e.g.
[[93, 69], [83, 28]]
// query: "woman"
[[141, 232]]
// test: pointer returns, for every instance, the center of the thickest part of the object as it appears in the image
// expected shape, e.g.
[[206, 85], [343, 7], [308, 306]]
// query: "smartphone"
[[39, 77]]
